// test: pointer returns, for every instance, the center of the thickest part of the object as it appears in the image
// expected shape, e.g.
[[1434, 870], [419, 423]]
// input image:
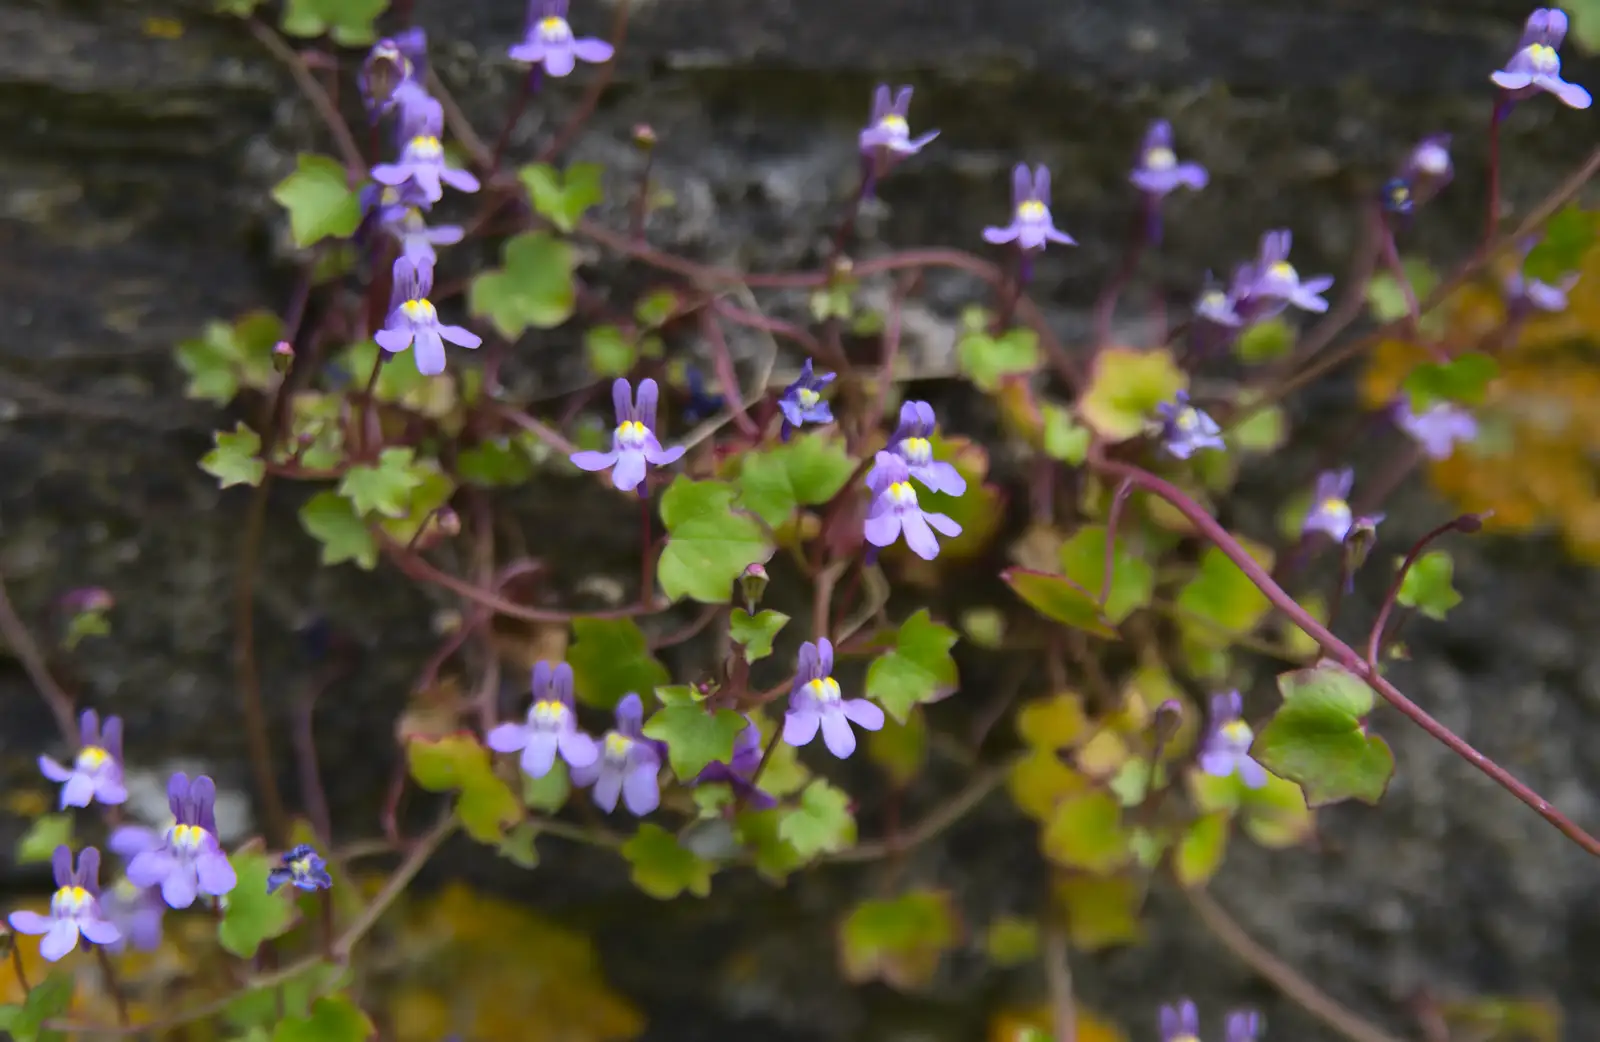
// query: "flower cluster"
[[894, 511], [404, 191], [187, 858]]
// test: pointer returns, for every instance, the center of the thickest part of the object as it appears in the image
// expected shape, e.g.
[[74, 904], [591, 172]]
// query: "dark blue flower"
[[302, 867], [802, 401], [1186, 430], [704, 403]]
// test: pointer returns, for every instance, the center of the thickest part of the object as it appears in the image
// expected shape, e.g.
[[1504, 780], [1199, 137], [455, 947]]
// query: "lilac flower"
[[629, 764], [1430, 160], [740, 769], [894, 510], [1436, 429], [1031, 225], [1226, 747], [188, 858], [1186, 430], [302, 868], [1242, 1025], [414, 319], [548, 39], [136, 912], [1536, 66], [1158, 172], [387, 67], [1525, 294], [910, 443], [1273, 279], [815, 702], [74, 908], [422, 160], [802, 402], [417, 242], [551, 726], [96, 772], [633, 443], [887, 135], [1219, 307], [1330, 506], [420, 115], [1180, 1023]]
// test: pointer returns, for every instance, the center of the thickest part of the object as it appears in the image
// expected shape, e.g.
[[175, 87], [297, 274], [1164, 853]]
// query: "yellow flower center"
[[918, 451], [1238, 732], [1544, 57], [632, 432], [1335, 505], [70, 900], [902, 494], [807, 397], [91, 757], [617, 745], [301, 867], [550, 713], [420, 310], [554, 28], [1282, 270], [187, 837], [1188, 419], [1160, 159], [1183, 1038], [1215, 299], [893, 124], [426, 146], [1032, 212], [824, 689]]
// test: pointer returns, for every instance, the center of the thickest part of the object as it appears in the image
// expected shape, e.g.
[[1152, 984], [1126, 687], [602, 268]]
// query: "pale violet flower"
[[1032, 226], [1330, 505], [96, 771], [1536, 66], [74, 908], [549, 40], [629, 764], [1225, 750], [815, 702], [895, 511], [551, 726], [633, 444]]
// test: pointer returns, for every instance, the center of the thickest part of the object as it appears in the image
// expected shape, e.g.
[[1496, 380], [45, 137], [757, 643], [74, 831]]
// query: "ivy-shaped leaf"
[[610, 353], [348, 22], [497, 463], [610, 659], [533, 289], [918, 669], [330, 519], [899, 940], [987, 360], [664, 868], [1199, 853], [226, 357], [821, 824], [1065, 438], [457, 763], [384, 487], [320, 201], [332, 1018], [1100, 912], [754, 634], [1318, 739], [709, 542], [1567, 238], [1060, 599], [1083, 560], [1224, 596], [775, 857], [1464, 379], [44, 835], [1125, 387], [49, 998], [251, 915], [1428, 587], [810, 469], [1086, 832], [562, 198], [236, 460], [695, 736]]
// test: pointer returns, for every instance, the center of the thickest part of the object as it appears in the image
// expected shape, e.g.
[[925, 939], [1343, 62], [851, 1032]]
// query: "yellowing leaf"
[[1100, 912], [899, 940], [1125, 387]]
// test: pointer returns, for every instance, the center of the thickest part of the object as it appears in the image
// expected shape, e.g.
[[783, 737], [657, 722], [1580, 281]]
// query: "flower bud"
[[644, 137], [752, 584], [283, 356]]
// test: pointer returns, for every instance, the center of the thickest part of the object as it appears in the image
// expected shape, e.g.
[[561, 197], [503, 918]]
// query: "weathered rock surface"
[[133, 208]]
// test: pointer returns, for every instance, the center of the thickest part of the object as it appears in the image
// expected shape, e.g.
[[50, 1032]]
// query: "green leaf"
[[1125, 388], [333, 522], [662, 867], [1057, 597], [533, 289], [518, 846], [1100, 912], [236, 460], [695, 736], [917, 669], [1086, 832], [349, 22], [384, 488], [1224, 596], [1317, 738], [709, 542], [755, 634], [44, 835], [810, 469], [457, 763], [900, 748], [1200, 851], [1011, 941], [775, 857], [1388, 299], [1262, 430], [251, 915], [821, 824], [987, 360], [654, 309], [1065, 438], [93, 622], [51, 997], [549, 792], [237, 8], [1586, 33], [1083, 560], [899, 940], [320, 201], [333, 1018], [610, 658], [1567, 238], [1264, 341], [432, 491], [562, 198], [1427, 586], [610, 353], [226, 357], [492, 464], [1464, 379]]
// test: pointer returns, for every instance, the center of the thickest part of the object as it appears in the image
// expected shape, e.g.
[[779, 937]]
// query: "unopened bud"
[[447, 522], [644, 137], [753, 584], [282, 356], [1358, 543]]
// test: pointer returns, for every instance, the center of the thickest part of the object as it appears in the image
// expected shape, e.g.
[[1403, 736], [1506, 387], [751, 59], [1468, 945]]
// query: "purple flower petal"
[[800, 726], [837, 735]]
